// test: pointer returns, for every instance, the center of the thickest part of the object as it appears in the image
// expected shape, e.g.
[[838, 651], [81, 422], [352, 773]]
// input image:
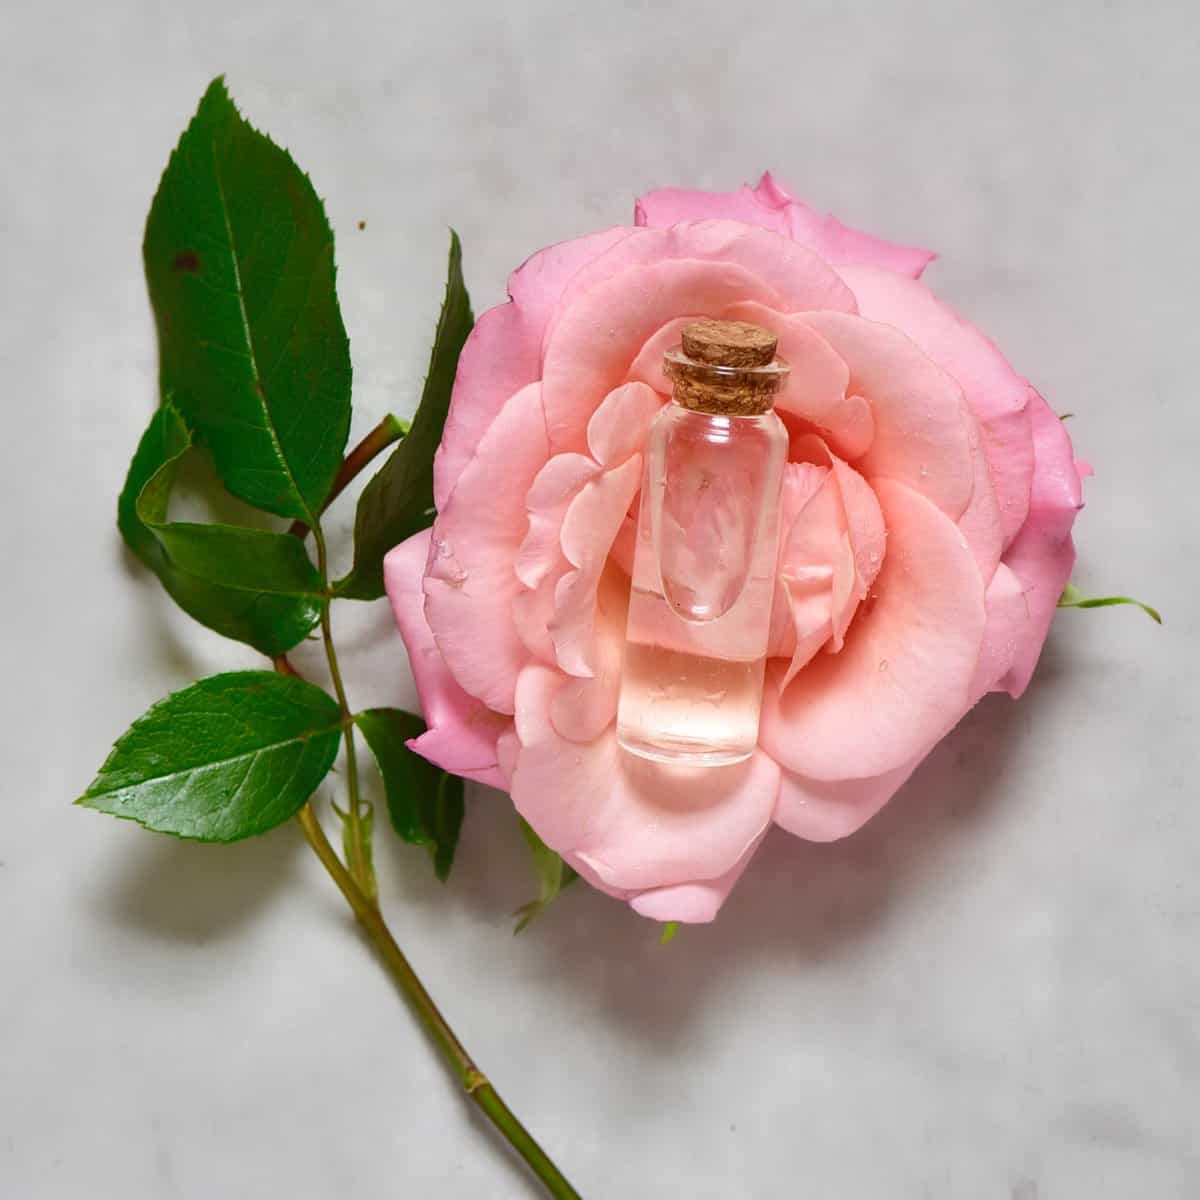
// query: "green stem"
[[390, 429], [473, 1081], [357, 851]]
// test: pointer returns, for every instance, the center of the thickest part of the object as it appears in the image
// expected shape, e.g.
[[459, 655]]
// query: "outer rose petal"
[[902, 678], [803, 279], [922, 424], [650, 279], [504, 351], [634, 823], [773, 207], [1043, 554], [470, 582], [996, 393], [696, 903], [1006, 631], [821, 811], [462, 733]]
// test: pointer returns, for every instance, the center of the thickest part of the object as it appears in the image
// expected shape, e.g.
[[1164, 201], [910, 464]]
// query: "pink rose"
[[926, 538]]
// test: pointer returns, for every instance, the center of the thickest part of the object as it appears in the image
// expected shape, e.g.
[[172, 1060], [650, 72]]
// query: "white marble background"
[[992, 991]]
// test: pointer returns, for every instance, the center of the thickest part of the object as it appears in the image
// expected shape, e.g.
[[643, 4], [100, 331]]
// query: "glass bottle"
[[707, 544]]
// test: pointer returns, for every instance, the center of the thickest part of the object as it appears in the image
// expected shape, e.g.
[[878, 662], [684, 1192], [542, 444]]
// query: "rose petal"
[[902, 678], [553, 489], [1006, 630], [462, 733], [772, 207], [650, 280], [864, 522], [996, 393], [584, 707], [504, 351], [823, 810], [980, 523], [634, 823], [922, 431], [589, 528], [1043, 553], [470, 583], [789, 270], [694, 903], [817, 386], [620, 425]]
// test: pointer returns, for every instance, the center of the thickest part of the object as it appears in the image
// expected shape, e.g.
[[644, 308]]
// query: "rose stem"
[[366, 911], [359, 858], [390, 429]]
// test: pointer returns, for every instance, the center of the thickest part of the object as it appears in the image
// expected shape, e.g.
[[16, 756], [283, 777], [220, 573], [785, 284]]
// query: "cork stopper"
[[726, 367], [729, 343]]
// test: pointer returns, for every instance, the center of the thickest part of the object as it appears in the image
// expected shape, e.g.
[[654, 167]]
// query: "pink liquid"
[[676, 705]]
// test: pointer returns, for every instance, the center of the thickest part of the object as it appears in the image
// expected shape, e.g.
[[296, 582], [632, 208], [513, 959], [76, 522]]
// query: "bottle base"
[[680, 751]]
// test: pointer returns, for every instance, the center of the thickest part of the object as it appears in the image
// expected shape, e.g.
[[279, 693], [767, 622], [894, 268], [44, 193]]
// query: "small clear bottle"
[[707, 544]]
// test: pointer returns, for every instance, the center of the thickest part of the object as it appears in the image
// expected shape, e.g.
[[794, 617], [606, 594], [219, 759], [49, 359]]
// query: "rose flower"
[[925, 537]]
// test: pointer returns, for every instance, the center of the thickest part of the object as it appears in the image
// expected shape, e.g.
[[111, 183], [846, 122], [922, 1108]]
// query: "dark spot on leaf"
[[187, 260], [258, 386]]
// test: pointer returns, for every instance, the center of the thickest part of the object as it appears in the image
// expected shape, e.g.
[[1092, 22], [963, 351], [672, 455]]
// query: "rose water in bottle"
[[707, 544]]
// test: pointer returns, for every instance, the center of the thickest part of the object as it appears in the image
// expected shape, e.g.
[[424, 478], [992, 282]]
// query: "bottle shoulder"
[[676, 423]]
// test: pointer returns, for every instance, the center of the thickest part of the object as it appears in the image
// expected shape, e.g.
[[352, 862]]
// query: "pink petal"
[[823, 811], [981, 522], [1056, 485], [801, 481], [772, 207], [470, 583], [817, 388], [620, 425], [694, 903], [554, 487], [462, 732], [589, 528], [660, 276], [1043, 553], [533, 611], [504, 351], [902, 678], [995, 392], [791, 271], [864, 521], [922, 430], [507, 748], [809, 546], [1006, 631], [633, 823], [583, 708]]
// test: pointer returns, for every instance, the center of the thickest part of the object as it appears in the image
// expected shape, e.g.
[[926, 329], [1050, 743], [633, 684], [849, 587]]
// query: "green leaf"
[[248, 584], [669, 930], [239, 262], [229, 757], [424, 803], [398, 501], [1072, 597], [553, 876], [448, 810]]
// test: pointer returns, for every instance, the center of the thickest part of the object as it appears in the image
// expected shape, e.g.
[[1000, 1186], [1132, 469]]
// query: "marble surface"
[[991, 991]]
